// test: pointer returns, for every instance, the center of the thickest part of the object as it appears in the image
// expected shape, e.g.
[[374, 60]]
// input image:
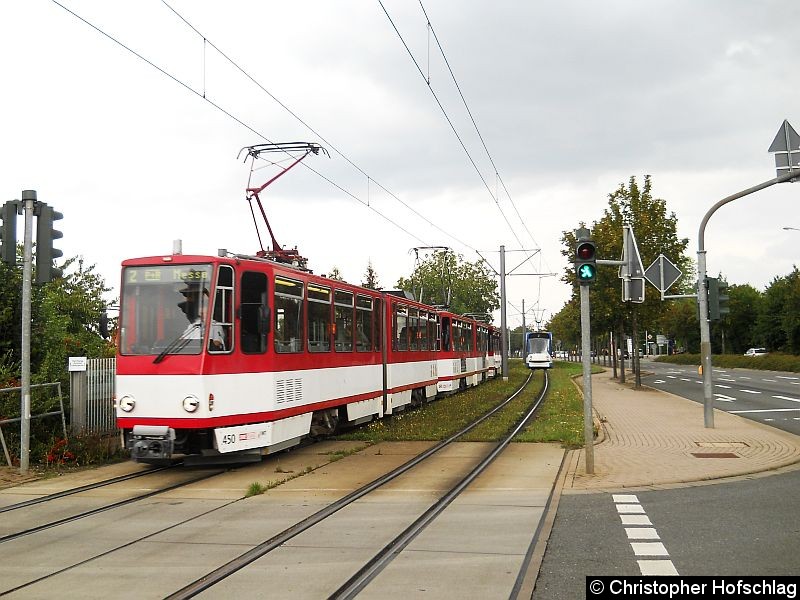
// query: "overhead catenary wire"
[[327, 142], [261, 135], [450, 122], [472, 118]]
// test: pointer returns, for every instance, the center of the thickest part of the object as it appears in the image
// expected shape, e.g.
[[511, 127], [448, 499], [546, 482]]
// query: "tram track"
[[97, 510], [374, 566], [125, 546], [83, 488]]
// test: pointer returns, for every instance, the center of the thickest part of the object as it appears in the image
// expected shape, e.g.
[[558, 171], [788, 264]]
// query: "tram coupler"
[[148, 442]]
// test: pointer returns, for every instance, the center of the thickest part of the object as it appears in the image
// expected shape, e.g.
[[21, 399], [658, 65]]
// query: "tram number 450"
[[229, 438]]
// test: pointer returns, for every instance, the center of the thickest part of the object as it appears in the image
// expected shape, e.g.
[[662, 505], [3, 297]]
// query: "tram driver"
[[195, 307]]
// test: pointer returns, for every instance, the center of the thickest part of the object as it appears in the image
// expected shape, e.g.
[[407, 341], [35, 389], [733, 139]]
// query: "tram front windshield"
[[164, 309], [538, 345]]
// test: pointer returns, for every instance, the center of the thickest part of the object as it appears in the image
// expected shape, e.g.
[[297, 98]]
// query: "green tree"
[[445, 279], [779, 318], [679, 323], [371, 278], [335, 274], [655, 230], [65, 322], [566, 326], [739, 326]]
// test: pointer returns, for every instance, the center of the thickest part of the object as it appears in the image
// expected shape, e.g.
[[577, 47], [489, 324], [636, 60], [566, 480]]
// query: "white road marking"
[[787, 398], [630, 509], [659, 381], [723, 379], [635, 520], [744, 377], [671, 377], [739, 412], [785, 377], [726, 387], [750, 391], [685, 379], [649, 549], [627, 504], [657, 567], [769, 380], [625, 498], [641, 533], [724, 398]]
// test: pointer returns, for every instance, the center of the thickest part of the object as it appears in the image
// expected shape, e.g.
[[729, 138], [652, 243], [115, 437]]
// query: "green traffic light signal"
[[585, 262], [586, 273]]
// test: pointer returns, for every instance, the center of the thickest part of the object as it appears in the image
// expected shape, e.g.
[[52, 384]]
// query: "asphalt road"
[[745, 527], [770, 397]]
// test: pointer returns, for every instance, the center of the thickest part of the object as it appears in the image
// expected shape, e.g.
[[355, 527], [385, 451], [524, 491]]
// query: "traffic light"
[[717, 298], [585, 262], [45, 253], [8, 233], [722, 297]]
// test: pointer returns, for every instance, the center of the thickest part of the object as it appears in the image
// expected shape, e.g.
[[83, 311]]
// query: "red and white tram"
[[233, 357]]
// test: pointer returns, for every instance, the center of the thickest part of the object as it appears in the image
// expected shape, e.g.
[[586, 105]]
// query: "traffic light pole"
[[28, 202], [586, 359], [702, 293]]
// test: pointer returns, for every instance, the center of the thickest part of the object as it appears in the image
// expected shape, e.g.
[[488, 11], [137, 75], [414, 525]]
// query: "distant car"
[[756, 352]]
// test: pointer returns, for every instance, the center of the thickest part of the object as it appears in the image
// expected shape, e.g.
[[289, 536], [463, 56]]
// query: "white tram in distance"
[[227, 358]]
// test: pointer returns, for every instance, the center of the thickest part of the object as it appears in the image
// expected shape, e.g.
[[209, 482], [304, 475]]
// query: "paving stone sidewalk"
[[651, 438]]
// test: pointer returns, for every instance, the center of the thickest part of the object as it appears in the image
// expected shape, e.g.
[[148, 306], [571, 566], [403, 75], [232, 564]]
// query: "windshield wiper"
[[176, 345]]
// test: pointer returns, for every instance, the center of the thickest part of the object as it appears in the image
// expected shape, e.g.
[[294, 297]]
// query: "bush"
[[773, 361], [78, 450]]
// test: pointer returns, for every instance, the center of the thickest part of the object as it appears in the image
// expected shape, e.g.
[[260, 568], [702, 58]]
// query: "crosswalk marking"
[[632, 513]]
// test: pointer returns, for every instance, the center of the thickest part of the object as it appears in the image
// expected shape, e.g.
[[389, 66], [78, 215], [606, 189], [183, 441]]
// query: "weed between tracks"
[[560, 418]]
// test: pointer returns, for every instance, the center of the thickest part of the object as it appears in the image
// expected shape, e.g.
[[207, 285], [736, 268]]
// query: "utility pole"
[[28, 202], [503, 321]]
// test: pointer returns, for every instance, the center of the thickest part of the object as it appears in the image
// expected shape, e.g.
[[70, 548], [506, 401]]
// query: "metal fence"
[[33, 416], [92, 397]]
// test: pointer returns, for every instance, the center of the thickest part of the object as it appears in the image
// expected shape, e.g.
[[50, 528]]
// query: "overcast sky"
[[571, 99]]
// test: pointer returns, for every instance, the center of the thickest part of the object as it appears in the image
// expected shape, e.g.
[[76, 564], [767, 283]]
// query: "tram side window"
[[413, 328], [400, 337], [446, 334], [254, 302], [288, 315], [319, 318], [220, 336], [344, 321], [379, 325], [364, 329]]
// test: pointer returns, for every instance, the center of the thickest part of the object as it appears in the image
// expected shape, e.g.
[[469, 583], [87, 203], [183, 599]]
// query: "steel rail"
[[204, 583], [89, 513], [83, 488], [354, 585]]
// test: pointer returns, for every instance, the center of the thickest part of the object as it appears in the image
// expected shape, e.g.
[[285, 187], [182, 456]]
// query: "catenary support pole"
[[503, 321]]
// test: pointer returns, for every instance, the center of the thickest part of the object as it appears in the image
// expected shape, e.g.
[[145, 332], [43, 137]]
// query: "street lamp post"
[[702, 297]]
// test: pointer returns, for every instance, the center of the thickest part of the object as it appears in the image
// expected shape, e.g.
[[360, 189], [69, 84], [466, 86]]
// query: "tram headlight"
[[127, 403], [190, 404]]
